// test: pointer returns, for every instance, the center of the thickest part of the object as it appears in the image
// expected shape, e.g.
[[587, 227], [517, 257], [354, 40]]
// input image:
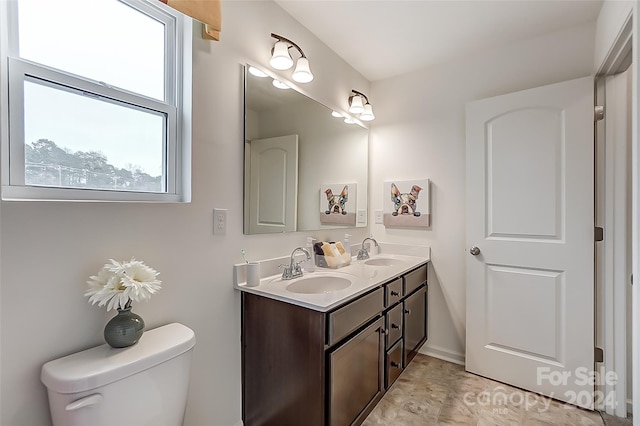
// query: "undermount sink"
[[383, 261], [318, 284]]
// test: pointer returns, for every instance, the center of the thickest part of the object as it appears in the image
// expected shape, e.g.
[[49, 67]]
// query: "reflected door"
[[530, 274], [273, 184]]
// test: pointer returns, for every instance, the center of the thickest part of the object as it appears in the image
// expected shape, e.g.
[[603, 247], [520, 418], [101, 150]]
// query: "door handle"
[[474, 250]]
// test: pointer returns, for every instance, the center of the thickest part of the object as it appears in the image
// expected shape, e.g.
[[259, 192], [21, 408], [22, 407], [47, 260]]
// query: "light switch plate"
[[379, 216], [362, 216]]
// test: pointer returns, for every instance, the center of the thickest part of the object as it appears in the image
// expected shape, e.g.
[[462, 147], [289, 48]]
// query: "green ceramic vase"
[[125, 329]]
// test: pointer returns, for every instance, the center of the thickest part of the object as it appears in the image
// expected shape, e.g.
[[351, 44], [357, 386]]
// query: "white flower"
[[118, 283]]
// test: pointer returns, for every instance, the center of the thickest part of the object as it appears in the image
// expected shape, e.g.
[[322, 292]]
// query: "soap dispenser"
[[347, 244], [310, 265]]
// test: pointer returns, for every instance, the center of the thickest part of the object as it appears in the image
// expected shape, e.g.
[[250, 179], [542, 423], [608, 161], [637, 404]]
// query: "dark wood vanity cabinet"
[[301, 366], [356, 376], [406, 321], [415, 323]]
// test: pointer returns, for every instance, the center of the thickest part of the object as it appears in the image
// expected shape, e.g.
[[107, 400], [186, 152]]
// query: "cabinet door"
[[415, 323], [356, 372]]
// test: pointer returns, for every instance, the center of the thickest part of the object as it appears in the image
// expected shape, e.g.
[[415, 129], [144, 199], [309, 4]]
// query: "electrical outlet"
[[220, 221], [379, 216]]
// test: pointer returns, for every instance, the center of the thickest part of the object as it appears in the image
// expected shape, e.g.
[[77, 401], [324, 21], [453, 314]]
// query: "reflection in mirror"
[[304, 169]]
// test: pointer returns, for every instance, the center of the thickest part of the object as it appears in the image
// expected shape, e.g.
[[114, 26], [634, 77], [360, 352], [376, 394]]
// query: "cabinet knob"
[[395, 326], [407, 311], [395, 293], [384, 331], [395, 364]]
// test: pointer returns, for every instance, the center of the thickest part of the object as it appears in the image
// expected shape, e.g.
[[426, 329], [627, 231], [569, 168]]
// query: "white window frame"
[[14, 71]]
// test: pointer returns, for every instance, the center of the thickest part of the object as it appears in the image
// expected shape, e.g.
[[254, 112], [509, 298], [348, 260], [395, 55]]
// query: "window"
[[95, 107]]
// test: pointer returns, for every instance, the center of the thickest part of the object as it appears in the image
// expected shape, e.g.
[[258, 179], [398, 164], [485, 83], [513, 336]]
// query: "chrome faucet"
[[363, 253], [293, 270]]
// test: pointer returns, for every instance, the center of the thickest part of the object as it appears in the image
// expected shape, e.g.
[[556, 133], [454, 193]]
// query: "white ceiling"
[[385, 38]]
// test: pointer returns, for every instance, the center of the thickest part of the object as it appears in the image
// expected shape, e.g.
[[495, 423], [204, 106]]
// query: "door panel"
[[506, 287], [530, 212], [524, 149], [273, 188]]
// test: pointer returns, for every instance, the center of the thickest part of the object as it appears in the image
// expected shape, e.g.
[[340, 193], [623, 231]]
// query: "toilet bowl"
[[142, 385]]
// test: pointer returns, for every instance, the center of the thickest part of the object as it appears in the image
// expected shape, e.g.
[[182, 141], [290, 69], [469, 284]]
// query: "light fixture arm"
[[292, 44], [361, 94]]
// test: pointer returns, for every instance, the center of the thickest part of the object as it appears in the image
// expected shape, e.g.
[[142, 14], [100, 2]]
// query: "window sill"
[[33, 193]]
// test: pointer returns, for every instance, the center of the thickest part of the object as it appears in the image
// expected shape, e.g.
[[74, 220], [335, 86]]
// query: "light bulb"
[[355, 104], [279, 84], [367, 114], [257, 72], [280, 58], [302, 73]]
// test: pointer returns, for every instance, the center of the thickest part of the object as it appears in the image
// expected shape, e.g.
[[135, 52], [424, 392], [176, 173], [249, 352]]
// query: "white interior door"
[[273, 189], [530, 213]]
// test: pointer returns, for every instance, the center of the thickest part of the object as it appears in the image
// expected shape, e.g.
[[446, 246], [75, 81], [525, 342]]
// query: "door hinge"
[[598, 354], [598, 113], [599, 233]]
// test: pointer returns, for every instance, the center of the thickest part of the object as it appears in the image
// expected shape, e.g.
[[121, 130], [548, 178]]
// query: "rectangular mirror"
[[304, 169]]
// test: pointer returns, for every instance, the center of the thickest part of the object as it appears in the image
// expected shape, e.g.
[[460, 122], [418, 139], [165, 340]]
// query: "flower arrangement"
[[119, 283]]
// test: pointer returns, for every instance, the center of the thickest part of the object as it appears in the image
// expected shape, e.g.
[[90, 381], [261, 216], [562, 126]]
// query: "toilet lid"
[[103, 364]]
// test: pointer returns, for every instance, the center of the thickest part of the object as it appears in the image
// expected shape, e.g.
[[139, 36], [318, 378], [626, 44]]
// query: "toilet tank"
[[144, 384]]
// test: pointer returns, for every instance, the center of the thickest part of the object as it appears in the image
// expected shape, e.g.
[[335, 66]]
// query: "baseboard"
[[443, 354]]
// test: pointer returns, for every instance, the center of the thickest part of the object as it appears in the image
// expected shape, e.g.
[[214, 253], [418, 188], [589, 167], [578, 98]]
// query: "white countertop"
[[362, 277]]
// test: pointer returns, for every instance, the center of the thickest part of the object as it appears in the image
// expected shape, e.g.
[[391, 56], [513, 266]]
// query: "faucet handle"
[[363, 254], [286, 271]]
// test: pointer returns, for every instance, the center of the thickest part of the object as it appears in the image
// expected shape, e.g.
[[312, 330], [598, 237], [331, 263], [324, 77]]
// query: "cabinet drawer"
[[415, 279], [394, 325], [394, 364], [349, 317], [393, 292]]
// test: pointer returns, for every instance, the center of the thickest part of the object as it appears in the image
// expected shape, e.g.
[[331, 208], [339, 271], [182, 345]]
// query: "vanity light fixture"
[[357, 106], [281, 59]]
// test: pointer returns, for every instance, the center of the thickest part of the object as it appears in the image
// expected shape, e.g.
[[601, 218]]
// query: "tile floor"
[[435, 392]]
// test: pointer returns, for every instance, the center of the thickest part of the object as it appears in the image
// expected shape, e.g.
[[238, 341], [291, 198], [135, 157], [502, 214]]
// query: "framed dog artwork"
[[407, 203], [338, 204]]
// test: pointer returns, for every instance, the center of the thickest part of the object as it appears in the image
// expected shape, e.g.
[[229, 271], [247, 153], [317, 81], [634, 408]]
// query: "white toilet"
[[144, 384]]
